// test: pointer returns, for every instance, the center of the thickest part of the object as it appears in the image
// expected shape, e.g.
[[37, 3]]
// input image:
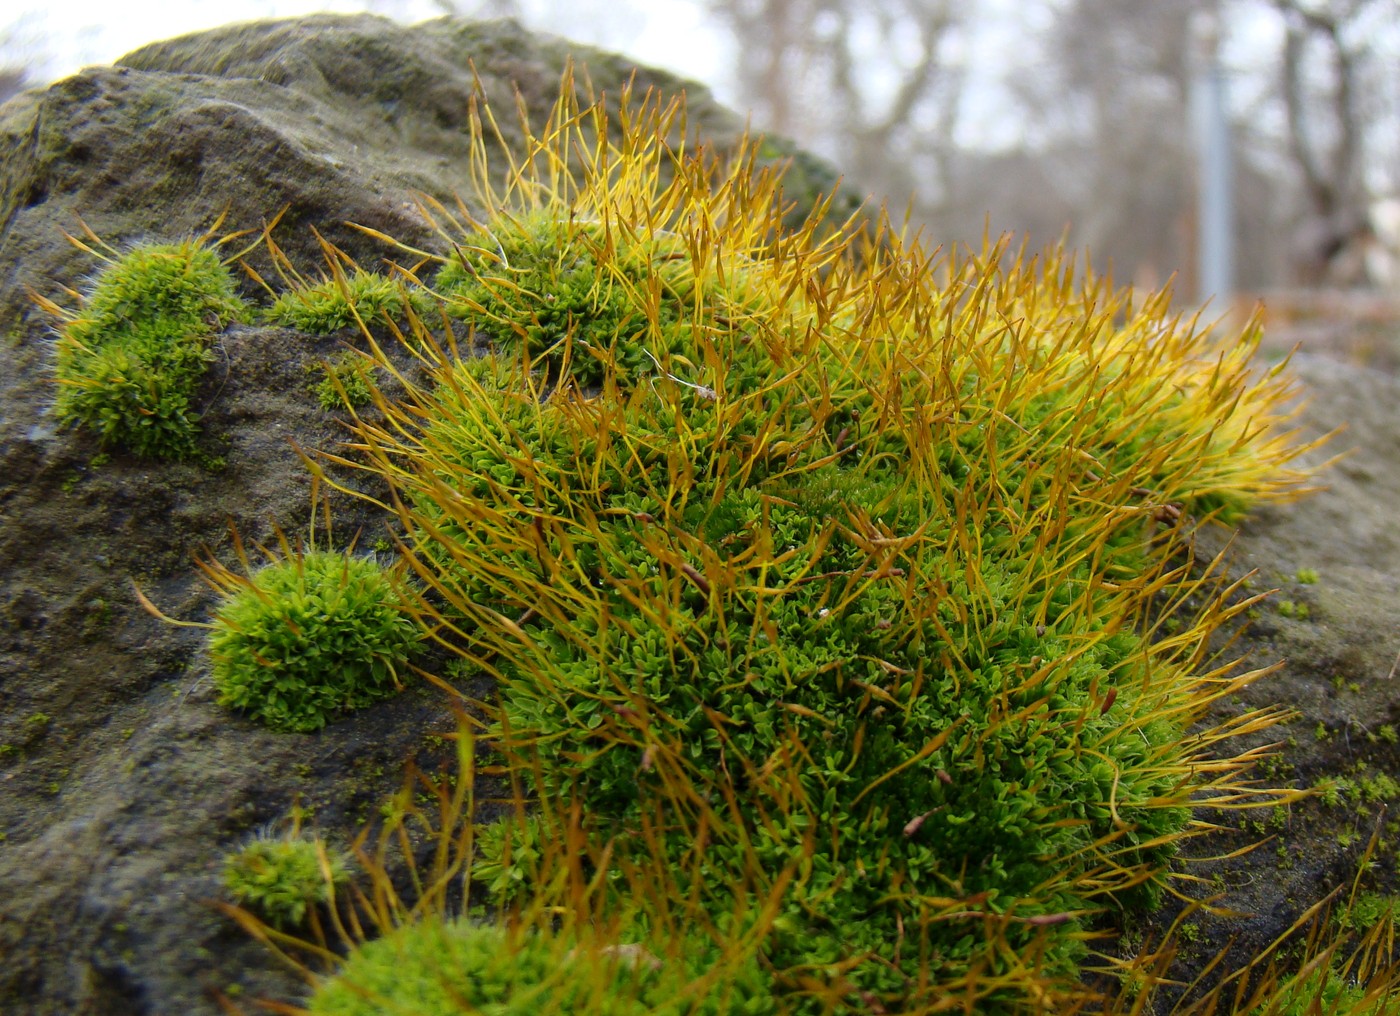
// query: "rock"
[[1332, 560], [124, 783]]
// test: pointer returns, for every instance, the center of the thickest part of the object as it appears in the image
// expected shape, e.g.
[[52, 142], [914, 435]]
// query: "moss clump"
[[1325, 991], [577, 296], [129, 363], [860, 548], [283, 877], [445, 968], [343, 301], [308, 637], [826, 623], [343, 384]]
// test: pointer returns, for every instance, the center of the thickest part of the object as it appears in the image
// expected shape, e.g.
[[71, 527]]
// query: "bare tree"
[[872, 84], [1105, 156], [1325, 54], [1112, 102]]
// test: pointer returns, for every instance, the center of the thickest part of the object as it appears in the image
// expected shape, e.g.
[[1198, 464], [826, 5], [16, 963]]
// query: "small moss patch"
[[308, 637], [444, 968], [283, 877], [130, 361], [343, 301]]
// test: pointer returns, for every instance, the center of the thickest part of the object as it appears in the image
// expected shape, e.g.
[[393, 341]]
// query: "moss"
[[857, 550], [1323, 990], [1366, 911], [284, 877], [130, 362], [436, 968], [343, 383], [344, 301], [551, 285], [308, 637]]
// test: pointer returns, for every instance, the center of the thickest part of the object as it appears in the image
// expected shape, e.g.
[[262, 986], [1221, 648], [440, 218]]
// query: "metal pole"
[[1215, 275]]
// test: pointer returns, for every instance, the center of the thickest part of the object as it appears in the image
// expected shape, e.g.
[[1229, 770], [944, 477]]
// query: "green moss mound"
[[344, 383], [937, 712], [283, 877], [830, 576], [129, 364], [574, 294], [308, 637], [344, 301], [442, 968]]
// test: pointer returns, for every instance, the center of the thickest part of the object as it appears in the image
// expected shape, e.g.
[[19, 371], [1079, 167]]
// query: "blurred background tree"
[[15, 59], [1331, 85], [875, 85], [1100, 92]]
